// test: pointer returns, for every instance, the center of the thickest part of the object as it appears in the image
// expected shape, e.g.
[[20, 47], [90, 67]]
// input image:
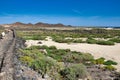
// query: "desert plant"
[[77, 57], [109, 67], [105, 43], [117, 40], [27, 60], [74, 72], [78, 41], [52, 47], [100, 60], [91, 41], [110, 62]]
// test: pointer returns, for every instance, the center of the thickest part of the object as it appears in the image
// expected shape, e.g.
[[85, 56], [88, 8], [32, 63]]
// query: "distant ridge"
[[39, 24]]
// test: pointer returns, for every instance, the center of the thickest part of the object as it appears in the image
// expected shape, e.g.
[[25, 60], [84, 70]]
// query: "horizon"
[[66, 25], [67, 12]]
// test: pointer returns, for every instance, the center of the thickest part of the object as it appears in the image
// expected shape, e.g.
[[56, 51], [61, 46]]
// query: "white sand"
[[108, 52]]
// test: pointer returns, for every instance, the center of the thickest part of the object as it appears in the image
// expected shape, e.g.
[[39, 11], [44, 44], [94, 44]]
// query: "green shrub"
[[72, 58], [117, 40], [27, 60], [33, 47], [110, 62], [52, 47], [90, 37], [77, 57], [109, 67], [78, 41], [105, 43], [38, 38], [100, 60], [43, 47], [67, 50], [43, 65], [33, 37], [87, 57], [91, 41], [74, 72]]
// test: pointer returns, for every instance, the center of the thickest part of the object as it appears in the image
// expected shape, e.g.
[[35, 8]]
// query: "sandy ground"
[[108, 52]]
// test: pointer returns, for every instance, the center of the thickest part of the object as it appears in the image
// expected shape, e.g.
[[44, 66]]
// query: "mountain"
[[39, 24], [18, 23]]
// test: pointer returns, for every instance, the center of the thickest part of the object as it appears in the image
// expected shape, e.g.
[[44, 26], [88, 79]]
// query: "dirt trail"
[[6, 56]]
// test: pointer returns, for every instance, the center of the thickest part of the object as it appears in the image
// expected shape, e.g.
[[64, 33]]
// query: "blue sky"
[[73, 12]]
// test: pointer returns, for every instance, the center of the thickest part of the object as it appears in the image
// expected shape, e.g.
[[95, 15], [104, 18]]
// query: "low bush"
[[110, 62], [109, 67], [44, 65], [77, 57], [105, 42], [30, 36], [27, 60], [100, 60], [52, 47], [56, 54], [78, 41], [74, 72], [117, 40], [91, 41]]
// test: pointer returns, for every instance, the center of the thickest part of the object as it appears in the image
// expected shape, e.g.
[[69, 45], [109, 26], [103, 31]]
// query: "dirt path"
[[6, 52], [5, 42]]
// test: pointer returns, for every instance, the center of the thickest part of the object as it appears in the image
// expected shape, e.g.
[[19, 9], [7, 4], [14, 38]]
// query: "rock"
[[39, 42]]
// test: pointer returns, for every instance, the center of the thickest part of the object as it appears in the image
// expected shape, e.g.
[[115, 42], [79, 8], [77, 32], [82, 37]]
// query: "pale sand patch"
[[108, 52]]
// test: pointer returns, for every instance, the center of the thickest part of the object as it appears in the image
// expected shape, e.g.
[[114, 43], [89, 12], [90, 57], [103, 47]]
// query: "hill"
[[39, 24]]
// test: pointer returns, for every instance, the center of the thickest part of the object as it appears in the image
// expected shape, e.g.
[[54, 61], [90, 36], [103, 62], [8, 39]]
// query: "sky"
[[68, 12]]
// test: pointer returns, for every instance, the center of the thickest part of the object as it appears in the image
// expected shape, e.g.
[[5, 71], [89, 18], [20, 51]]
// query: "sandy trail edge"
[[108, 52]]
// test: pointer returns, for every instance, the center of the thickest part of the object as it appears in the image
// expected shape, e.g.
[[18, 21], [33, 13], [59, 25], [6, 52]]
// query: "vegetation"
[[100, 60], [38, 37], [73, 36], [63, 55], [110, 67], [110, 62], [100, 42], [77, 57], [105, 43], [117, 40], [61, 63], [74, 72], [51, 62], [64, 64], [91, 41]]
